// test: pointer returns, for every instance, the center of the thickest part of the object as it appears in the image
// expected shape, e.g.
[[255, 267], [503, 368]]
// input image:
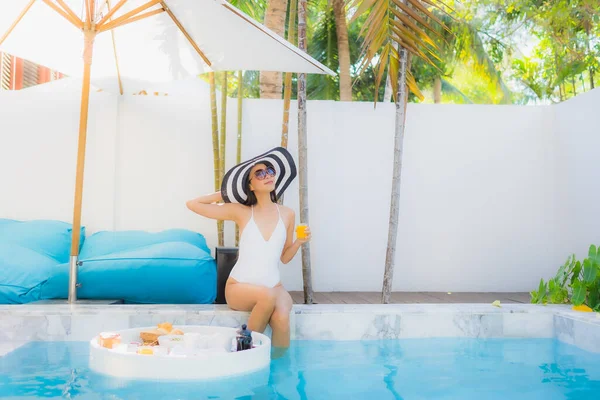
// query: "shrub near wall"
[[575, 282]]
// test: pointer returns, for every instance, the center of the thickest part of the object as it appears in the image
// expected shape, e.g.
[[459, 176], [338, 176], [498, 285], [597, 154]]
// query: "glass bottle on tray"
[[244, 338]]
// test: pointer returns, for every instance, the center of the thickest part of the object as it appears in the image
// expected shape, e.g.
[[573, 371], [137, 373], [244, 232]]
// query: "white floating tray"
[[206, 366]]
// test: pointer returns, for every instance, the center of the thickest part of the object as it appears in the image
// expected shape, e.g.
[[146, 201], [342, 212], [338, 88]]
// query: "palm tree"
[[302, 156], [464, 45], [216, 150], [287, 95], [341, 29], [394, 31], [323, 45], [270, 81], [222, 140], [238, 156], [461, 49], [335, 45], [222, 147]]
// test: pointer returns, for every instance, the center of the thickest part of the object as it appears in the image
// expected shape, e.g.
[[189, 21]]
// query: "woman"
[[250, 191]]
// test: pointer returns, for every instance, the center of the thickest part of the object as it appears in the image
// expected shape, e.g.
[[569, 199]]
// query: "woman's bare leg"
[[259, 300], [280, 320]]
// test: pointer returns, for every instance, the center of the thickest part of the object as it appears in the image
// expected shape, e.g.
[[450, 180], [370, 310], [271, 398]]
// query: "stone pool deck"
[[20, 324]]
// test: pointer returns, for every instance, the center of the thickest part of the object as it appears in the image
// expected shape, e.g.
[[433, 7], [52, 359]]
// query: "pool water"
[[388, 369]]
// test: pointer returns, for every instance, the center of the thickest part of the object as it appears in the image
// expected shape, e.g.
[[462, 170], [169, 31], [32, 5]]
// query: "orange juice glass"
[[109, 339], [301, 231]]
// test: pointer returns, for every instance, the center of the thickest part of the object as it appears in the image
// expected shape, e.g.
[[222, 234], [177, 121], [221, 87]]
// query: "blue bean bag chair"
[[30, 253], [173, 266]]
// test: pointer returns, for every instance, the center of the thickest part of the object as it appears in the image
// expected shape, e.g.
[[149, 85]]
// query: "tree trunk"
[[387, 94], [221, 224], [561, 90], [341, 28], [302, 156], [287, 94], [215, 136], [271, 81], [587, 28], [437, 90], [330, 89], [238, 157], [215, 126], [401, 100], [223, 126]]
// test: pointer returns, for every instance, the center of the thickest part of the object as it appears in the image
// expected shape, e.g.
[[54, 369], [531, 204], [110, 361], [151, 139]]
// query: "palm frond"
[[482, 58], [381, 68], [411, 82], [436, 5], [411, 12], [449, 88], [254, 8], [398, 23], [363, 6], [412, 25], [417, 44], [417, 34], [324, 48]]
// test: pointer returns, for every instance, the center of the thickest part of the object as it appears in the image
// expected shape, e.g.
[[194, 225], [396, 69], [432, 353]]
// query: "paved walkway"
[[411, 297]]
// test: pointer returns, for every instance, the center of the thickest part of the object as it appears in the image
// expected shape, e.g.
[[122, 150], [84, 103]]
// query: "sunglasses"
[[261, 174]]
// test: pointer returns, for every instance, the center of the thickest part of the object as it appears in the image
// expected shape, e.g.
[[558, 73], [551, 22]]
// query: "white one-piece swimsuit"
[[258, 259]]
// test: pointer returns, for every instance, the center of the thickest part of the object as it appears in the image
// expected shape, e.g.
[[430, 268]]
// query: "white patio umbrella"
[[156, 41]]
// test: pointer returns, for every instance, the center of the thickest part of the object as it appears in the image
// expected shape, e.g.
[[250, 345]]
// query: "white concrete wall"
[[483, 205], [478, 207], [38, 152], [577, 165]]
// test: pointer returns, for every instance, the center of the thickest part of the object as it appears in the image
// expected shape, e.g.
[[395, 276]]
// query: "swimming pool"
[[408, 351], [431, 368]]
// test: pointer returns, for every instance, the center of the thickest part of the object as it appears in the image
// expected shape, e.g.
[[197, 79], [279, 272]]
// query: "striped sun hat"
[[233, 189]]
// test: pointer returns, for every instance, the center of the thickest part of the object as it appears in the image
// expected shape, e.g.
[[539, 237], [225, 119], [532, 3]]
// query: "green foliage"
[[539, 296], [468, 72], [579, 291], [500, 51], [575, 282], [563, 36], [558, 293], [323, 46], [254, 8]]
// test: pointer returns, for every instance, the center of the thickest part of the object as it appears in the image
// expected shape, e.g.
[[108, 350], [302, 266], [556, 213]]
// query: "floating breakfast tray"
[[204, 353]]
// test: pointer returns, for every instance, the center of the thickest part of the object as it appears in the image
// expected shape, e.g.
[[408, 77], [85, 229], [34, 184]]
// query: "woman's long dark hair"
[[251, 200]]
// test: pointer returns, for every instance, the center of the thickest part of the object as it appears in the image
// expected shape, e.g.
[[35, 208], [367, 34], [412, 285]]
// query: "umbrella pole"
[[89, 36]]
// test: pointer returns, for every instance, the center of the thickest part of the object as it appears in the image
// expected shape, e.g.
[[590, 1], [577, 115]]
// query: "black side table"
[[226, 258]]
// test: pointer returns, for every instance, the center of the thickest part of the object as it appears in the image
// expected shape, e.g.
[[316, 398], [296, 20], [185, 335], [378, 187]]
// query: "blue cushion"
[[107, 242], [173, 266], [30, 252]]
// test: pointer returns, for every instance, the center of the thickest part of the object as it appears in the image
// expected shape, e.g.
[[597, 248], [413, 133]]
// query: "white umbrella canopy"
[[151, 49], [105, 41]]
